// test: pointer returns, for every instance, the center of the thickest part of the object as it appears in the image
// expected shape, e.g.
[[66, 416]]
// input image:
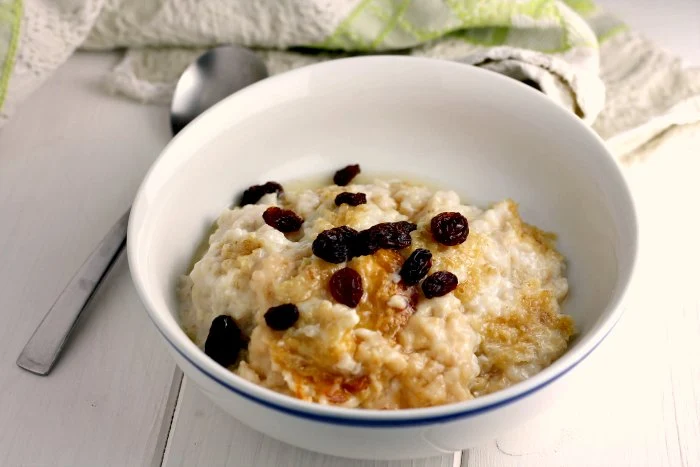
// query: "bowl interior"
[[454, 126]]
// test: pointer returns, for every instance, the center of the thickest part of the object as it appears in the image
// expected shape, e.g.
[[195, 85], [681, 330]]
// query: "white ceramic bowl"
[[477, 132]]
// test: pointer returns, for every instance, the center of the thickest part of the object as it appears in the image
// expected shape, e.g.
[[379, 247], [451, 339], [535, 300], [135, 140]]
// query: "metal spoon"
[[215, 75]]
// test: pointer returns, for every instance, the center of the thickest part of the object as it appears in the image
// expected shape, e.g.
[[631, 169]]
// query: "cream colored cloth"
[[648, 92], [578, 55]]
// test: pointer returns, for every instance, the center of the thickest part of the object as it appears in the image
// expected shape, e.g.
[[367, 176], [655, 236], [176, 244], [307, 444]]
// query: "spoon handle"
[[44, 347]]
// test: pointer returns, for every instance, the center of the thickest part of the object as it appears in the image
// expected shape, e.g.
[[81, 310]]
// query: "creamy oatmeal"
[[356, 327]]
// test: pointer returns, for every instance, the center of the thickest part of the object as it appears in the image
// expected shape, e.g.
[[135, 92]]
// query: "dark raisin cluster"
[[343, 243]]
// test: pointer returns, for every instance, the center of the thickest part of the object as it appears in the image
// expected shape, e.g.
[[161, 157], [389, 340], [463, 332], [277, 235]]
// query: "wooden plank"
[[70, 162], [636, 400], [204, 435]]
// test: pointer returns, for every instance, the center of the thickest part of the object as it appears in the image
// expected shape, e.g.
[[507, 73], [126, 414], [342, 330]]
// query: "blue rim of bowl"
[[409, 422]]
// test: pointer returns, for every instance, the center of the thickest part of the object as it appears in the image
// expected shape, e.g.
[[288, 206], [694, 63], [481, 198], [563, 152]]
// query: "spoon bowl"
[[216, 74]]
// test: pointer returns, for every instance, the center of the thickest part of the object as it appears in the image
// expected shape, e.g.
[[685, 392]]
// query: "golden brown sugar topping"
[[379, 272], [533, 333]]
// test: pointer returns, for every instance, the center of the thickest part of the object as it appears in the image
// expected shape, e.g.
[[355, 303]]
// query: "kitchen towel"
[[578, 55]]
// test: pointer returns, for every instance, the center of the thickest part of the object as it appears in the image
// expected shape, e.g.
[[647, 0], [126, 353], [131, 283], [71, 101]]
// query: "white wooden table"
[[70, 163]]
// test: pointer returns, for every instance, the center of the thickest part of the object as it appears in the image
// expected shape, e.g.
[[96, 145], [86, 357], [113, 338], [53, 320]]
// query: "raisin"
[[416, 266], [353, 199], [253, 194], [346, 287], [346, 174], [282, 317], [334, 245], [438, 284], [387, 235], [283, 220], [449, 228], [224, 341]]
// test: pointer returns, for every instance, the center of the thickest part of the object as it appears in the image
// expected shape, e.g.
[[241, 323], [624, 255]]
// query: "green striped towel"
[[569, 49]]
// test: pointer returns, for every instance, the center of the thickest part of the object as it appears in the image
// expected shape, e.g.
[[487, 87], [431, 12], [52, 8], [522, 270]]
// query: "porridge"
[[384, 295]]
